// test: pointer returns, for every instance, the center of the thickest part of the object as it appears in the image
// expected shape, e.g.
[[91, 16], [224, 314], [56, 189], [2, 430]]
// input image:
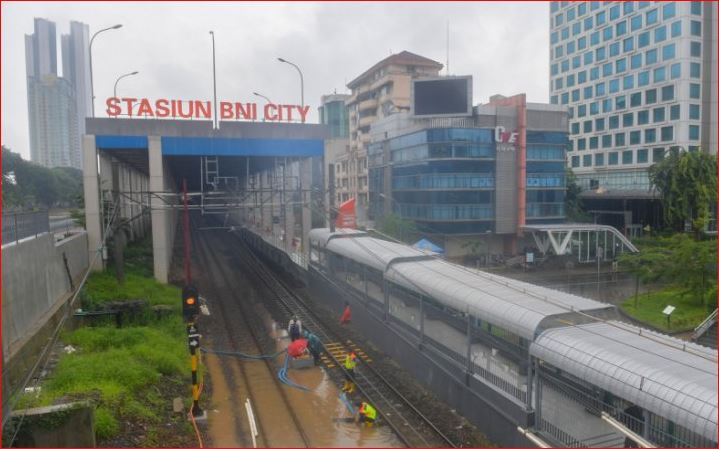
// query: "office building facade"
[[380, 91], [639, 79], [333, 113], [76, 69], [485, 175]]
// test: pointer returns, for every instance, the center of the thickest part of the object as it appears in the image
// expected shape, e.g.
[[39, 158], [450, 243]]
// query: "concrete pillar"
[[160, 222], [93, 208], [306, 199]]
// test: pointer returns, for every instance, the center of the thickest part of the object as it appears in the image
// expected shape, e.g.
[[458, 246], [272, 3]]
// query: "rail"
[[396, 410]]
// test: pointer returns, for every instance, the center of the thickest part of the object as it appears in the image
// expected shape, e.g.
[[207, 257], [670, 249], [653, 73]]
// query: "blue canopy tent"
[[426, 245]]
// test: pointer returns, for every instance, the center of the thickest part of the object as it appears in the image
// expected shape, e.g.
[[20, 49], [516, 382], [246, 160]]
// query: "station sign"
[[199, 110]]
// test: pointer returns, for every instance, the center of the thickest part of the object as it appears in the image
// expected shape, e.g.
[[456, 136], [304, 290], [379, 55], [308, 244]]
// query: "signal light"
[[190, 305]]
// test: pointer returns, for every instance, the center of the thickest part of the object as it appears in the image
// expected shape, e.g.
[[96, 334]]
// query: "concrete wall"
[[164, 219], [35, 284]]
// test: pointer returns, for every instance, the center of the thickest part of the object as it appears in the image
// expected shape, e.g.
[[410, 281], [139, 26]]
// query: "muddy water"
[[317, 410]]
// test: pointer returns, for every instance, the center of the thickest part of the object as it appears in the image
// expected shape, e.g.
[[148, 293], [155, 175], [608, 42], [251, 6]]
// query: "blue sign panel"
[[219, 146]]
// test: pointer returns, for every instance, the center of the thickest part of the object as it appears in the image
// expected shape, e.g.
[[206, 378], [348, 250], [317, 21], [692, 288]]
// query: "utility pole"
[[331, 202], [214, 81]]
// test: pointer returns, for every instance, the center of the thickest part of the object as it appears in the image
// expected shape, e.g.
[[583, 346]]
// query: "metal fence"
[[19, 225]]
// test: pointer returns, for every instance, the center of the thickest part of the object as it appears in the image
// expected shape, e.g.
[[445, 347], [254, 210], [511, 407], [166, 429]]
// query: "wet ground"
[[286, 416]]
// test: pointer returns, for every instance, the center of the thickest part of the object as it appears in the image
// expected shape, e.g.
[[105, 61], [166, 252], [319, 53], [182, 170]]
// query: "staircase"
[[706, 333]]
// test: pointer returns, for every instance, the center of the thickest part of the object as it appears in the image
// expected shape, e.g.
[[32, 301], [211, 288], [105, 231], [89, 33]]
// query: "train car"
[[498, 328]]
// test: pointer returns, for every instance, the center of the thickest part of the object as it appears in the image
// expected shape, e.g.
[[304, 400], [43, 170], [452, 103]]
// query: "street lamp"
[[214, 79], [92, 85], [114, 90], [257, 94], [302, 80]]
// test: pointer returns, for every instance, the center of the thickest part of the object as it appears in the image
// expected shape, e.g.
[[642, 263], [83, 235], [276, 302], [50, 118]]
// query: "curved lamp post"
[[92, 85]]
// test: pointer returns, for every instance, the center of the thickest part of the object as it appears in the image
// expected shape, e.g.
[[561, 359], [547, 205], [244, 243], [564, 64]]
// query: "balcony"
[[366, 121], [370, 103]]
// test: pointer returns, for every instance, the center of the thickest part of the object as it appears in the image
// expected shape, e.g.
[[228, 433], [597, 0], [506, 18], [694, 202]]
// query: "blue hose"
[[242, 355], [282, 375]]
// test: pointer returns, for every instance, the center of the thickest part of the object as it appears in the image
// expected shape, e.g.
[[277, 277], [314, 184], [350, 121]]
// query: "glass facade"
[[445, 178], [643, 59], [335, 115]]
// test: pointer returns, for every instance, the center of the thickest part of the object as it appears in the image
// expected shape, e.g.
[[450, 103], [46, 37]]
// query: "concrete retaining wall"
[[35, 282]]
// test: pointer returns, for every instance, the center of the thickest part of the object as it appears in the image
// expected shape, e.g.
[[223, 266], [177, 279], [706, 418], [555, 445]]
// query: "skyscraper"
[[57, 106], [639, 79], [76, 69], [333, 113]]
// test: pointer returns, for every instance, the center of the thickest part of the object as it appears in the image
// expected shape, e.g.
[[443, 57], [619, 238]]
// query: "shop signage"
[[505, 140], [199, 110]]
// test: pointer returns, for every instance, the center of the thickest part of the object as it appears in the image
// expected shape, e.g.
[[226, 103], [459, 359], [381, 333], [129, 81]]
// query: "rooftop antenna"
[[448, 48]]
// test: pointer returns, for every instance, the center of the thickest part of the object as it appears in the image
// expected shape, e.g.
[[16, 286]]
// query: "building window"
[[619, 139], [620, 102], [652, 17], [643, 78], [628, 82], [588, 23], [628, 7], [565, 98], [635, 99], [635, 137], [558, 51], [582, 77], [559, 83], [650, 57], [607, 105], [636, 61], [613, 158], [657, 154], [627, 157], [674, 112], [621, 28], [575, 160], [695, 70], [642, 156], [659, 74], [658, 115], [642, 117], [593, 143], [607, 69], [575, 128], [650, 135], [614, 49], [599, 159], [676, 70], [601, 18], [669, 10], [668, 52], [628, 119], [614, 122], [588, 57], [677, 28], [650, 96], [695, 28], [694, 91], [660, 34], [581, 110], [600, 54], [695, 49], [594, 108], [636, 22], [667, 133], [599, 124], [613, 86], [693, 132], [581, 144], [581, 43], [621, 65], [694, 111], [643, 39], [697, 8], [576, 62], [599, 89], [593, 73], [607, 34], [587, 160], [606, 141], [588, 126], [628, 44], [594, 38], [581, 9], [575, 95], [614, 12], [668, 93]]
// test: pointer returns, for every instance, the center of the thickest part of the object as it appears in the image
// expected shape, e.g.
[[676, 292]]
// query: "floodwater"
[[320, 412]]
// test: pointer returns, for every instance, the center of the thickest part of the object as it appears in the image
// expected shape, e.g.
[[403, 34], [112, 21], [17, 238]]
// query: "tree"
[[398, 227], [687, 183], [573, 204]]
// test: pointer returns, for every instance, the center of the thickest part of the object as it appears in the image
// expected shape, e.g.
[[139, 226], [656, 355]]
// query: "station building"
[[483, 176]]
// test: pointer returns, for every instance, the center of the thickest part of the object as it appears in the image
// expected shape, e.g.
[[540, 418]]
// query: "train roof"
[[516, 306], [376, 253], [667, 376], [323, 235]]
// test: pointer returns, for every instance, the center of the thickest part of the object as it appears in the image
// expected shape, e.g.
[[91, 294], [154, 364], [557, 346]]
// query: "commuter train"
[[506, 332]]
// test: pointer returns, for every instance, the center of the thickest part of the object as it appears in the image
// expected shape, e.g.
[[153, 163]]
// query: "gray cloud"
[[504, 45]]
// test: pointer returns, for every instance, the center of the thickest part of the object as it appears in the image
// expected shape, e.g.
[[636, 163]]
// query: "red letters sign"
[[196, 109]]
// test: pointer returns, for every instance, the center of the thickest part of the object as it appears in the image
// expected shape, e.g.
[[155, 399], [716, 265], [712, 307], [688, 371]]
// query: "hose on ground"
[[282, 375]]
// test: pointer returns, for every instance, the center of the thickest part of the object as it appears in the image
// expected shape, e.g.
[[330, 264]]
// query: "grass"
[[122, 369], [688, 313]]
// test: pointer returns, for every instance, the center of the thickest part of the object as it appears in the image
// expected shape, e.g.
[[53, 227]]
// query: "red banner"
[[347, 216]]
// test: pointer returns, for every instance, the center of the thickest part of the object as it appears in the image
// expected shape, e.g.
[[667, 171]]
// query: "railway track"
[[245, 338], [411, 426]]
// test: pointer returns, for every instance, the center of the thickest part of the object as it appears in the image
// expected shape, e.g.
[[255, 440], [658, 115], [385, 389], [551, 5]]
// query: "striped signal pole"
[[193, 338]]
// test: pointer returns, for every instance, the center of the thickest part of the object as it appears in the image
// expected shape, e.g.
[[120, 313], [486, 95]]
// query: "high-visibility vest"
[[350, 362], [368, 411]]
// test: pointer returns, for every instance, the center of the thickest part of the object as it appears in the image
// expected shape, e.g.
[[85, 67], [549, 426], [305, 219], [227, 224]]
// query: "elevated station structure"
[[265, 173]]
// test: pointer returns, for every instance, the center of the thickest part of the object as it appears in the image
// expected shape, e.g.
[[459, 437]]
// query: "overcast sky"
[[503, 45]]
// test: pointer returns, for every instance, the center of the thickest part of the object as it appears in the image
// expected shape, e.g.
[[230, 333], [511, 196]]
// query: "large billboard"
[[442, 97]]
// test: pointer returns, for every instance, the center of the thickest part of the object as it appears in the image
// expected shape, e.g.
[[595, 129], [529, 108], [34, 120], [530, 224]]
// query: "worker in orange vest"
[[346, 315]]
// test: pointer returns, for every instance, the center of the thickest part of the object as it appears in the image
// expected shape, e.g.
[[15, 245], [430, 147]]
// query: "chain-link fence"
[[19, 225]]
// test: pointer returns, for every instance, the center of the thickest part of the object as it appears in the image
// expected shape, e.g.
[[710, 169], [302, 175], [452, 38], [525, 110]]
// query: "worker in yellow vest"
[[349, 364], [366, 413]]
